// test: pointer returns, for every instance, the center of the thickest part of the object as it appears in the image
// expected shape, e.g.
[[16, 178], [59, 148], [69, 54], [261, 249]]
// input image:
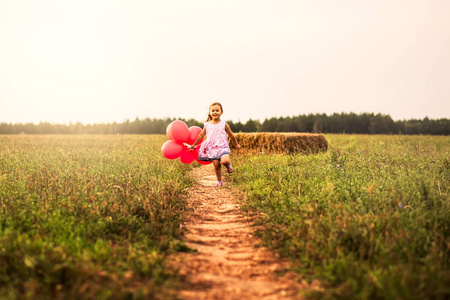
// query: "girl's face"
[[215, 111]]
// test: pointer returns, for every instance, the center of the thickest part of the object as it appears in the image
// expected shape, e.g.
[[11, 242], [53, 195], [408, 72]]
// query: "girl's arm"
[[230, 133], [199, 138]]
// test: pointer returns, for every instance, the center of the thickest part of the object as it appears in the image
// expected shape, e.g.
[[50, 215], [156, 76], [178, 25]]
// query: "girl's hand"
[[192, 148], [238, 147]]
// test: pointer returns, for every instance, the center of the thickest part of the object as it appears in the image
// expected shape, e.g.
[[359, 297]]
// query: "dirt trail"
[[228, 264]]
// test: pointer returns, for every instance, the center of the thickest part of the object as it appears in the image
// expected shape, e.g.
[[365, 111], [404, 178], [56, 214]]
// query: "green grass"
[[95, 217], [88, 217], [370, 218]]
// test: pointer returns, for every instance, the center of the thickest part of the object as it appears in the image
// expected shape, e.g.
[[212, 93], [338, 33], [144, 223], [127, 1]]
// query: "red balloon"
[[172, 149], [202, 162], [194, 131], [178, 131], [195, 151], [187, 156], [168, 131]]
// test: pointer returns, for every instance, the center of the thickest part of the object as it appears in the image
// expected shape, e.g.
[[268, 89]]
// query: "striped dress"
[[216, 143]]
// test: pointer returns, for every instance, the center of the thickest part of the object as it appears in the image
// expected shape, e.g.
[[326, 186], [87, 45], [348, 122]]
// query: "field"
[[370, 218], [87, 217], [96, 216]]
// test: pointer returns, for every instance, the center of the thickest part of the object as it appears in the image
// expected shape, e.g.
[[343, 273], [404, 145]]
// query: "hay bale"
[[276, 142]]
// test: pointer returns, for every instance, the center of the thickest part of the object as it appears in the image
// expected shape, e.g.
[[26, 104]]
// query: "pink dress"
[[216, 143]]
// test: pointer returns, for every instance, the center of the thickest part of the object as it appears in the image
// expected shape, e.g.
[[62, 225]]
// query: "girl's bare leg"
[[217, 169], [225, 160]]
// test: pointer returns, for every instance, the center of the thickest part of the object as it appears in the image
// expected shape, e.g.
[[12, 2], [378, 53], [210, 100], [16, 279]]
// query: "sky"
[[100, 61]]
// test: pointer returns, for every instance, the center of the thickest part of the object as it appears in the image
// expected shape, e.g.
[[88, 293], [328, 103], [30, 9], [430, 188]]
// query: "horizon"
[[235, 122]]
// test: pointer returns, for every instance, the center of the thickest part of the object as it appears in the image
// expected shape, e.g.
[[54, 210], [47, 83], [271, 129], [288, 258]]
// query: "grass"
[[95, 217], [370, 218], [88, 217]]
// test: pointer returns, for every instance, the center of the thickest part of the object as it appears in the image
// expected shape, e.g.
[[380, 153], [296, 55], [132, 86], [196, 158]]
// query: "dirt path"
[[228, 264]]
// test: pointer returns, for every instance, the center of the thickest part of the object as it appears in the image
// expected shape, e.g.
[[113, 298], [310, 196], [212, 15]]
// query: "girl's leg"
[[225, 160], [217, 169]]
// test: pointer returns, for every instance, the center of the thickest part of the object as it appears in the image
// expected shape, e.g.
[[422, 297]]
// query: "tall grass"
[[370, 218], [87, 217]]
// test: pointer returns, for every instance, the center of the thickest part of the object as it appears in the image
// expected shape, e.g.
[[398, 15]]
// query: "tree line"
[[365, 123]]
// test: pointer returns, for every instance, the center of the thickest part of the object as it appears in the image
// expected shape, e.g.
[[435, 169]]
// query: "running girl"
[[216, 148]]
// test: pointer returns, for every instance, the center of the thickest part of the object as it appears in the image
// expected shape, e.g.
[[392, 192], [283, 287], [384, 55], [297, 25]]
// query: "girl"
[[216, 148]]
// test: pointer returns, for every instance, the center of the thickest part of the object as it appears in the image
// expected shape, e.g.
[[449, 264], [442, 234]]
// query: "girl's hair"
[[215, 103]]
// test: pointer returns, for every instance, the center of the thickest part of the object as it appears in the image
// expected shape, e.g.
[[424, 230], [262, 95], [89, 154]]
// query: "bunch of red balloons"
[[180, 139]]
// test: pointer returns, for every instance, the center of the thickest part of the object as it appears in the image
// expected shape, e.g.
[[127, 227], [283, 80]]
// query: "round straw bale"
[[280, 142]]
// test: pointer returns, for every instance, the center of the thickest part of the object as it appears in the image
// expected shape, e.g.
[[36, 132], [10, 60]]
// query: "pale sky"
[[98, 61]]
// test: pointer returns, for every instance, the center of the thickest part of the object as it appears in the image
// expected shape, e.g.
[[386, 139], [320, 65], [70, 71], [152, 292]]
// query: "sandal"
[[230, 169], [219, 184]]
